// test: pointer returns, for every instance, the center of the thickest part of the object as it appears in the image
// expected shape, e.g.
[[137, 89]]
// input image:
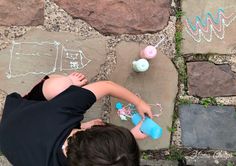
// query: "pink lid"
[[150, 52]]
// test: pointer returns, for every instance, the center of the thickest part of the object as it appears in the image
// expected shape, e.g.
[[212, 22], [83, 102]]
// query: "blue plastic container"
[[149, 127]]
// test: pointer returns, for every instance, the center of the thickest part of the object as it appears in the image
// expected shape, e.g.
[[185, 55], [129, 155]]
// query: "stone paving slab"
[[24, 12], [215, 35], [157, 85], [158, 163], [2, 102], [212, 127], [120, 17], [205, 79], [210, 161], [4, 161], [40, 52]]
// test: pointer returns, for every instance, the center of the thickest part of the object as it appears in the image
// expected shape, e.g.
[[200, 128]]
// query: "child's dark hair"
[[107, 145]]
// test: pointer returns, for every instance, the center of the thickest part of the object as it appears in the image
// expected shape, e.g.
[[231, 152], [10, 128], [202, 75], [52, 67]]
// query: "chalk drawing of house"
[[72, 59], [43, 58]]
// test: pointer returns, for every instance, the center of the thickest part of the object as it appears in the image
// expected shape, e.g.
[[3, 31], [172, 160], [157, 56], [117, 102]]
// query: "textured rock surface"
[[206, 36], [206, 79], [4, 161], [40, 52], [118, 17], [2, 101], [157, 85], [24, 12], [212, 127], [158, 163], [210, 161], [46, 53]]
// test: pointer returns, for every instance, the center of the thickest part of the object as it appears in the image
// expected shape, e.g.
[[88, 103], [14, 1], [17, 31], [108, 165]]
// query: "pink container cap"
[[150, 52]]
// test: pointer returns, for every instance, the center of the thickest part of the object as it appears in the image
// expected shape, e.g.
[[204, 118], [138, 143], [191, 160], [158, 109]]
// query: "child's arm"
[[103, 88]]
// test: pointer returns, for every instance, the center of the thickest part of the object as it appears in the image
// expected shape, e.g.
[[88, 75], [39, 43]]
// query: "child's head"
[[103, 145]]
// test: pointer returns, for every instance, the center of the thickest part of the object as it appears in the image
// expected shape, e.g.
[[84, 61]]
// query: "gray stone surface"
[[158, 163], [4, 161], [157, 85], [24, 12], [94, 49], [41, 58], [210, 161], [2, 102], [222, 40], [213, 127], [206, 79], [119, 17]]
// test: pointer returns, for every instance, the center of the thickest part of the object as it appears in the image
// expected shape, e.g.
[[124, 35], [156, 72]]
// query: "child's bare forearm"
[[103, 88], [123, 93]]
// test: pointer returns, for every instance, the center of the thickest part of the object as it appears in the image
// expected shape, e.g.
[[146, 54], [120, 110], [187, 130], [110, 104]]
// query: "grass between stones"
[[229, 163], [208, 101], [175, 154], [184, 101], [180, 61]]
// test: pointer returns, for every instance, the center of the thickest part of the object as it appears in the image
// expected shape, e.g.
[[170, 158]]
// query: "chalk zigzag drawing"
[[206, 27], [21, 52]]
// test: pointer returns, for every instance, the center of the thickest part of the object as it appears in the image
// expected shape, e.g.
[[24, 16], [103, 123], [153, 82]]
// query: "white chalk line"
[[10, 75], [74, 64]]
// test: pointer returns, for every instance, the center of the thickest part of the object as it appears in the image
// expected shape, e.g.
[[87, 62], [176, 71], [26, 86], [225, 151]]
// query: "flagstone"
[[211, 127], [39, 52], [157, 85], [4, 161], [23, 12], [205, 79], [209, 26], [119, 17]]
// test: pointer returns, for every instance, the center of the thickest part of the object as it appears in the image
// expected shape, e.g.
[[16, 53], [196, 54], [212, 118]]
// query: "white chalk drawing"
[[73, 59], [205, 27], [43, 58]]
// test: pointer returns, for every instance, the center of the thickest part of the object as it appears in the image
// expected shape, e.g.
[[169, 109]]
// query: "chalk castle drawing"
[[206, 27], [25, 54]]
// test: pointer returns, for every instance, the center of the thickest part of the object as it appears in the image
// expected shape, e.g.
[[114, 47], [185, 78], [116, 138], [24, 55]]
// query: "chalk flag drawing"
[[43, 58], [206, 27]]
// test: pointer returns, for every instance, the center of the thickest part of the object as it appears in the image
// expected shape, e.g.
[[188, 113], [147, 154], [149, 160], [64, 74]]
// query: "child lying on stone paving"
[[43, 128]]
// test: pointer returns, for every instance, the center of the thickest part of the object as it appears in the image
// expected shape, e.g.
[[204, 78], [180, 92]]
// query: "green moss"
[[175, 154], [184, 101], [178, 42], [171, 129], [179, 13], [208, 101], [229, 163], [144, 156]]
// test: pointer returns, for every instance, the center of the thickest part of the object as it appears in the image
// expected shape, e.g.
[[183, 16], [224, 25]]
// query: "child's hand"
[[89, 124], [144, 108], [137, 133]]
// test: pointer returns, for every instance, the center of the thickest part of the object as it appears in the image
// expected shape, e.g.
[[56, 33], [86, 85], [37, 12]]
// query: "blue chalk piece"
[[119, 105], [149, 127]]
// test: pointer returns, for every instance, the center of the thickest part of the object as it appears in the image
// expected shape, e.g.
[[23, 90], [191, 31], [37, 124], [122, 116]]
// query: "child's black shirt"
[[32, 132]]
